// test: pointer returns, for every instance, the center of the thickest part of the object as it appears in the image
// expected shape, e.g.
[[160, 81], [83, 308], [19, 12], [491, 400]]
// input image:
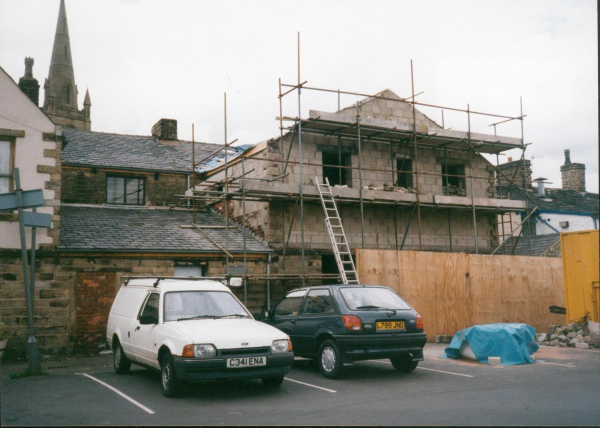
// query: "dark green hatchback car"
[[339, 324]]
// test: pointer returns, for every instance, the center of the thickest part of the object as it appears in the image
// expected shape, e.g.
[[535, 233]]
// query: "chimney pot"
[[567, 157], [29, 84], [165, 129]]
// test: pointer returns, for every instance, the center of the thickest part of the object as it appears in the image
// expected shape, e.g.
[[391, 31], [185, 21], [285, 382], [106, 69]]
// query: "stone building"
[[60, 90], [441, 167]]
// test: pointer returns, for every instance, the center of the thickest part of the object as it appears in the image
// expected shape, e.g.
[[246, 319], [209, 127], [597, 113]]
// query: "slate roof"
[[560, 200], [539, 244], [116, 229], [98, 149]]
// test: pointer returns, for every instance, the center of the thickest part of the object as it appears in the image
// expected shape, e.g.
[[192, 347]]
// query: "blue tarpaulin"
[[513, 343]]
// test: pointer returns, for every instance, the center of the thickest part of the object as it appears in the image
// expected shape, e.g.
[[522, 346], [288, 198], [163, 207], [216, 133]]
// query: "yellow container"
[[581, 274]]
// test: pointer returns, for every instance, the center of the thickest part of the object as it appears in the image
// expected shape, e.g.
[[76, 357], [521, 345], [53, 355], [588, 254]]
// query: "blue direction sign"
[[37, 219], [31, 198]]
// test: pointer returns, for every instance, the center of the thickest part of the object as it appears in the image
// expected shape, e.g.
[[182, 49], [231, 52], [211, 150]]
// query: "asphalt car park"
[[562, 388]]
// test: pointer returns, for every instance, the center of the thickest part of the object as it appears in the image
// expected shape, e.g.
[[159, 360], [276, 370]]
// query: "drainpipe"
[[269, 281]]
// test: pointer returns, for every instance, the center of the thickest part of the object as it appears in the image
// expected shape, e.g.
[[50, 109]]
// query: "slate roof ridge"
[[142, 137]]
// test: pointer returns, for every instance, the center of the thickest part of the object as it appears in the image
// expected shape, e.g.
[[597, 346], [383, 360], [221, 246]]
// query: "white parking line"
[[141, 406], [308, 384], [423, 368], [558, 364]]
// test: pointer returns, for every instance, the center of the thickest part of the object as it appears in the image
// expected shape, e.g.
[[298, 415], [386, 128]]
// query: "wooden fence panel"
[[453, 291]]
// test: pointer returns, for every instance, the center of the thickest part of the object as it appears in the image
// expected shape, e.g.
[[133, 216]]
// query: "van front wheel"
[[121, 362], [169, 382]]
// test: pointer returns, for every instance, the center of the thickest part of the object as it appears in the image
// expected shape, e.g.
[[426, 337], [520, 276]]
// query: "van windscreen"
[[183, 305]]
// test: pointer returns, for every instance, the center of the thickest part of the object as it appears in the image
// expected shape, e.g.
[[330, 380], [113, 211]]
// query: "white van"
[[193, 329]]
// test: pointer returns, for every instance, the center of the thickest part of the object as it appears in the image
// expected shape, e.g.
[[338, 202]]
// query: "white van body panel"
[[142, 343]]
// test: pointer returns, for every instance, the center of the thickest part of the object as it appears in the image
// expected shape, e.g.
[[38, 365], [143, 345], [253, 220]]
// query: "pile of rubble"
[[575, 335]]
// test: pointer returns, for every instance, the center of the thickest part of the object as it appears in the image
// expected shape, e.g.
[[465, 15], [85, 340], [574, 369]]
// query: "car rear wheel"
[[120, 362], [169, 382], [330, 360], [273, 381], [404, 363]]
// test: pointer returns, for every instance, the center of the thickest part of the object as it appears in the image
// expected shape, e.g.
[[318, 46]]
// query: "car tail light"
[[188, 351], [420, 324], [352, 322]]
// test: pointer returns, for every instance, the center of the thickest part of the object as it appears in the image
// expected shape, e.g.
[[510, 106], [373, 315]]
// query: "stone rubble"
[[574, 335]]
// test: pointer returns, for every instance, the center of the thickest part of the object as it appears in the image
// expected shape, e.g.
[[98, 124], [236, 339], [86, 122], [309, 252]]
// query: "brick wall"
[[95, 294], [87, 186]]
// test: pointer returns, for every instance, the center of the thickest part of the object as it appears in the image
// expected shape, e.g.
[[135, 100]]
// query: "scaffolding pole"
[[416, 163]]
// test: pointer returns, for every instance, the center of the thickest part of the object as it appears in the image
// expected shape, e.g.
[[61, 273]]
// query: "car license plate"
[[390, 325], [238, 363]]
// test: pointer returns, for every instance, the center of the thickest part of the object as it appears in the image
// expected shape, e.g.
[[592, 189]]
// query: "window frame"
[[11, 162], [405, 172], [300, 308], [125, 178], [336, 309], [344, 160], [447, 176], [164, 301], [146, 300]]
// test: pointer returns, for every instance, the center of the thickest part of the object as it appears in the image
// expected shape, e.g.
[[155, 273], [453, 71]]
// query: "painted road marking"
[[423, 368], [308, 384], [558, 364], [128, 398]]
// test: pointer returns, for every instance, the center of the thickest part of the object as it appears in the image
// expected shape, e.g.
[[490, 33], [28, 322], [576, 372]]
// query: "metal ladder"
[[341, 249]]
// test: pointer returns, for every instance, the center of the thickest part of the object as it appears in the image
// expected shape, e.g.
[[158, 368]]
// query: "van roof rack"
[[186, 278]]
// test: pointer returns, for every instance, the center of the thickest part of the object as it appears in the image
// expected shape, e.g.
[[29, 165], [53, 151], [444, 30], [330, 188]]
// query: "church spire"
[[60, 90], [61, 78]]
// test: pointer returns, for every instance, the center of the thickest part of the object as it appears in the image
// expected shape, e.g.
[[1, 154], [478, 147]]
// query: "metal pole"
[[520, 224], [268, 281], [471, 180], [32, 263], [408, 226], [360, 183], [416, 167], [449, 230], [244, 228], [524, 176], [227, 187], [32, 347], [300, 160], [396, 224]]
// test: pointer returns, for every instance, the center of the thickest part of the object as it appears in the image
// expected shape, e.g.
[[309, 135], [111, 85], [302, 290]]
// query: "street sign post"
[[20, 199]]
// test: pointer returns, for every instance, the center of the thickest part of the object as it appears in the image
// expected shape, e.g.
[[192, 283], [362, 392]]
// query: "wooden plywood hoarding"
[[453, 291]]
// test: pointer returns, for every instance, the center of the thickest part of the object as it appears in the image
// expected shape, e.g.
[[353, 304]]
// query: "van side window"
[[151, 307], [319, 302], [291, 304]]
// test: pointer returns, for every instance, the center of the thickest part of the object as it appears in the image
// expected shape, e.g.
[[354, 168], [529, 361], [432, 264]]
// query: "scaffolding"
[[401, 139]]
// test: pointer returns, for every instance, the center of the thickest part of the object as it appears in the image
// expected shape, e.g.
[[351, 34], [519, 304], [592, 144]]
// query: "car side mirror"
[[148, 319]]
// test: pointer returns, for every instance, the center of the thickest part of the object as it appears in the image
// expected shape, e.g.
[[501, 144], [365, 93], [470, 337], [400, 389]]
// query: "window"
[[198, 304], [319, 302], [125, 191], [450, 179], [68, 94], [404, 170], [328, 266], [151, 307], [291, 304], [188, 269], [6, 166], [341, 176], [372, 298]]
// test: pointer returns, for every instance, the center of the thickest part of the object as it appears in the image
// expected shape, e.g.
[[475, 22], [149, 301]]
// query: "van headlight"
[[279, 346], [205, 351]]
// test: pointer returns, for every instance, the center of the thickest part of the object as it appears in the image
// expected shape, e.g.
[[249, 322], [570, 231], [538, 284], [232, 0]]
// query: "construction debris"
[[574, 335]]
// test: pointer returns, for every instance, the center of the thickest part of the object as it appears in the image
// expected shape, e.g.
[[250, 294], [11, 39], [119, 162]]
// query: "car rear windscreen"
[[372, 298]]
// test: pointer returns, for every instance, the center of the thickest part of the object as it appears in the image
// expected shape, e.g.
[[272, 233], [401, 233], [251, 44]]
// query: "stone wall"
[[88, 186], [573, 177]]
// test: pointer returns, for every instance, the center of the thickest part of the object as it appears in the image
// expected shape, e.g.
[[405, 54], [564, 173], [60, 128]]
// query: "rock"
[[541, 337], [554, 342], [546, 343], [563, 345], [439, 338], [572, 335], [554, 336], [596, 341], [573, 342], [588, 340], [582, 346], [494, 361], [551, 328], [563, 338], [580, 338]]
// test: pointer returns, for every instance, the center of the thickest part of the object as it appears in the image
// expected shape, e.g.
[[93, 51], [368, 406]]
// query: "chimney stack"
[[29, 84], [572, 174], [165, 129], [514, 171]]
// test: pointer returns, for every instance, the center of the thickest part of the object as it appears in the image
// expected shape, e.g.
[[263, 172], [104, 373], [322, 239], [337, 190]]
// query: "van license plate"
[[390, 325], [238, 363]]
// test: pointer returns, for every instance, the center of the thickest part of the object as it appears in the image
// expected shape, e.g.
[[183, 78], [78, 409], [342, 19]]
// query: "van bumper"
[[197, 370]]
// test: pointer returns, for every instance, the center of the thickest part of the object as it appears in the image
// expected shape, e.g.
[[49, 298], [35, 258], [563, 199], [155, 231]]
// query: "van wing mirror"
[[148, 319], [236, 282]]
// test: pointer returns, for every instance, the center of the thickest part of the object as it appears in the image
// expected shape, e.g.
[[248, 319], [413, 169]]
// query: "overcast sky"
[[143, 60]]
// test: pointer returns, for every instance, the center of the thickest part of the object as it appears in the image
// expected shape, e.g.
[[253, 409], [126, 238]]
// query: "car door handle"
[[137, 328]]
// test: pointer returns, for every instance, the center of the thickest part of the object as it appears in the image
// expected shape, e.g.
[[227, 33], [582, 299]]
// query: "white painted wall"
[[576, 222], [17, 112]]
